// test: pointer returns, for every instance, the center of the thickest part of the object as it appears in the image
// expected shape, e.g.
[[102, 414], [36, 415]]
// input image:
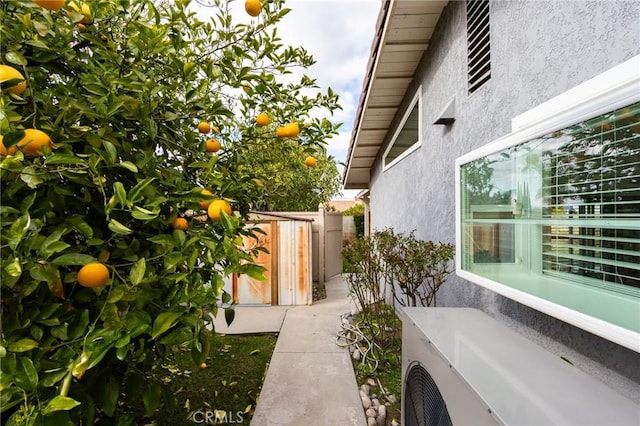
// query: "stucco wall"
[[538, 50]]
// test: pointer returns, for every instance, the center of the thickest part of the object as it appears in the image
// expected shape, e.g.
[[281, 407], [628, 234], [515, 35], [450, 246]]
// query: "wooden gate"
[[250, 291], [288, 266]]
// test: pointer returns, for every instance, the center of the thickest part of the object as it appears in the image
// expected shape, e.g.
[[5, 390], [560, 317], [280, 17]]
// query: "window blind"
[[591, 194]]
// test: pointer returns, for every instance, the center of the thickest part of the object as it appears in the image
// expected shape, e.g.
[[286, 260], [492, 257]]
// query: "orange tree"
[[119, 88], [286, 183]]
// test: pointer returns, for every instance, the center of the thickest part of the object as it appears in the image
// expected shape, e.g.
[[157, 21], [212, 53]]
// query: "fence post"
[[322, 249]]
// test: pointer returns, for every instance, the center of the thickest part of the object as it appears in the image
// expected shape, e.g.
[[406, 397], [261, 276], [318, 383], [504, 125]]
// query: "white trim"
[[613, 89], [417, 100], [615, 333]]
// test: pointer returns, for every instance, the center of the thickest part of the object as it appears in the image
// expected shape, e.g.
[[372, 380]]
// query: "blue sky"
[[338, 33]]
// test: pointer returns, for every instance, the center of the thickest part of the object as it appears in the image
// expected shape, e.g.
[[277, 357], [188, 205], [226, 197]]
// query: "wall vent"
[[478, 43]]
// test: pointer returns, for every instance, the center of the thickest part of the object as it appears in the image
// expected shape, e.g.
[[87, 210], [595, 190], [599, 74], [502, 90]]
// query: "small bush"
[[412, 269], [357, 211]]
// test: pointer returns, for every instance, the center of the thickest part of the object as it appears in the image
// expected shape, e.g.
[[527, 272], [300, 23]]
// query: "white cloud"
[[338, 145], [338, 33]]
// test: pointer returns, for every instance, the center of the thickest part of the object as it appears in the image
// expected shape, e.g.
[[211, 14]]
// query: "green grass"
[[231, 382]]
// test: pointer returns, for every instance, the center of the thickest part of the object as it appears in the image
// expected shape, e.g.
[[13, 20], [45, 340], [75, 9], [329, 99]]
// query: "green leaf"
[[52, 243], [119, 228], [26, 375], [143, 214], [60, 331], [77, 259], [151, 397], [15, 58], [164, 322], [79, 325], [82, 226], [14, 269], [134, 193], [22, 345], [229, 315], [109, 396], [112, 153], [100, 352], [172, 259], [9, 398], [133, 386], [163, 240], [115, 295], [151, 127], [120, 193], [38, 43], [136, 274], [55, 247], [17, 230], [180, 237], [254, 271], [60, 403], [63, 159], [129, 166], [31, 176]]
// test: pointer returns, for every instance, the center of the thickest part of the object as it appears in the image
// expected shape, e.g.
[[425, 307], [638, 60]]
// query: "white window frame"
[[417, 100], [613, 89]]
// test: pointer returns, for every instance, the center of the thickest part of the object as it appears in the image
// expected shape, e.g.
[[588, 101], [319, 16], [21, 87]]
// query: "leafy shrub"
[[413, 270], [357, 212], [121, 97]]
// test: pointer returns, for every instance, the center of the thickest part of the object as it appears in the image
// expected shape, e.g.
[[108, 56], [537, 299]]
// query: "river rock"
[[366, 402]]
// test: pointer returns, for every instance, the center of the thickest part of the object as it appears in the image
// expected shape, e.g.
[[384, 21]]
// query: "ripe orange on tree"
[[310, 161], [93, 275], [217, 207], [83, 9], [281, 132], [31, 144], [292, 129], [253, 7], [10, 73], [263, 119], [204, 127], [3, 149], [180, 223], [205, 203], [212, 145], [50, 4], [289, 130]]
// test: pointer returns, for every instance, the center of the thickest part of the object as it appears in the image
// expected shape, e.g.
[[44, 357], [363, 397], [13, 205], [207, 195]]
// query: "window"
[[550, 216], [478, 43], [407, 137]]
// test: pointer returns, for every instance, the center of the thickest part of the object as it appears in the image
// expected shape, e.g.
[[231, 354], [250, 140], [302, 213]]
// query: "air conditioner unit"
[[462, 367]]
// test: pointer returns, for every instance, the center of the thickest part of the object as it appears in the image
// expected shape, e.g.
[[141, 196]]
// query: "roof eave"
[[403, 31]]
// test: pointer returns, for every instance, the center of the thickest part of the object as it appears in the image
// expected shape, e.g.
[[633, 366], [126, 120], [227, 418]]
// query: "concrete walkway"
[[310, 380]]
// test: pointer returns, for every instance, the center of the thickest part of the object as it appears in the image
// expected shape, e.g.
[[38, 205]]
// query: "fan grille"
[[423, 403]]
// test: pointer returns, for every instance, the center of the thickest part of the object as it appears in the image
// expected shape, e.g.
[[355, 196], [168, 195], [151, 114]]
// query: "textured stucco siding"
[[538, 51]]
